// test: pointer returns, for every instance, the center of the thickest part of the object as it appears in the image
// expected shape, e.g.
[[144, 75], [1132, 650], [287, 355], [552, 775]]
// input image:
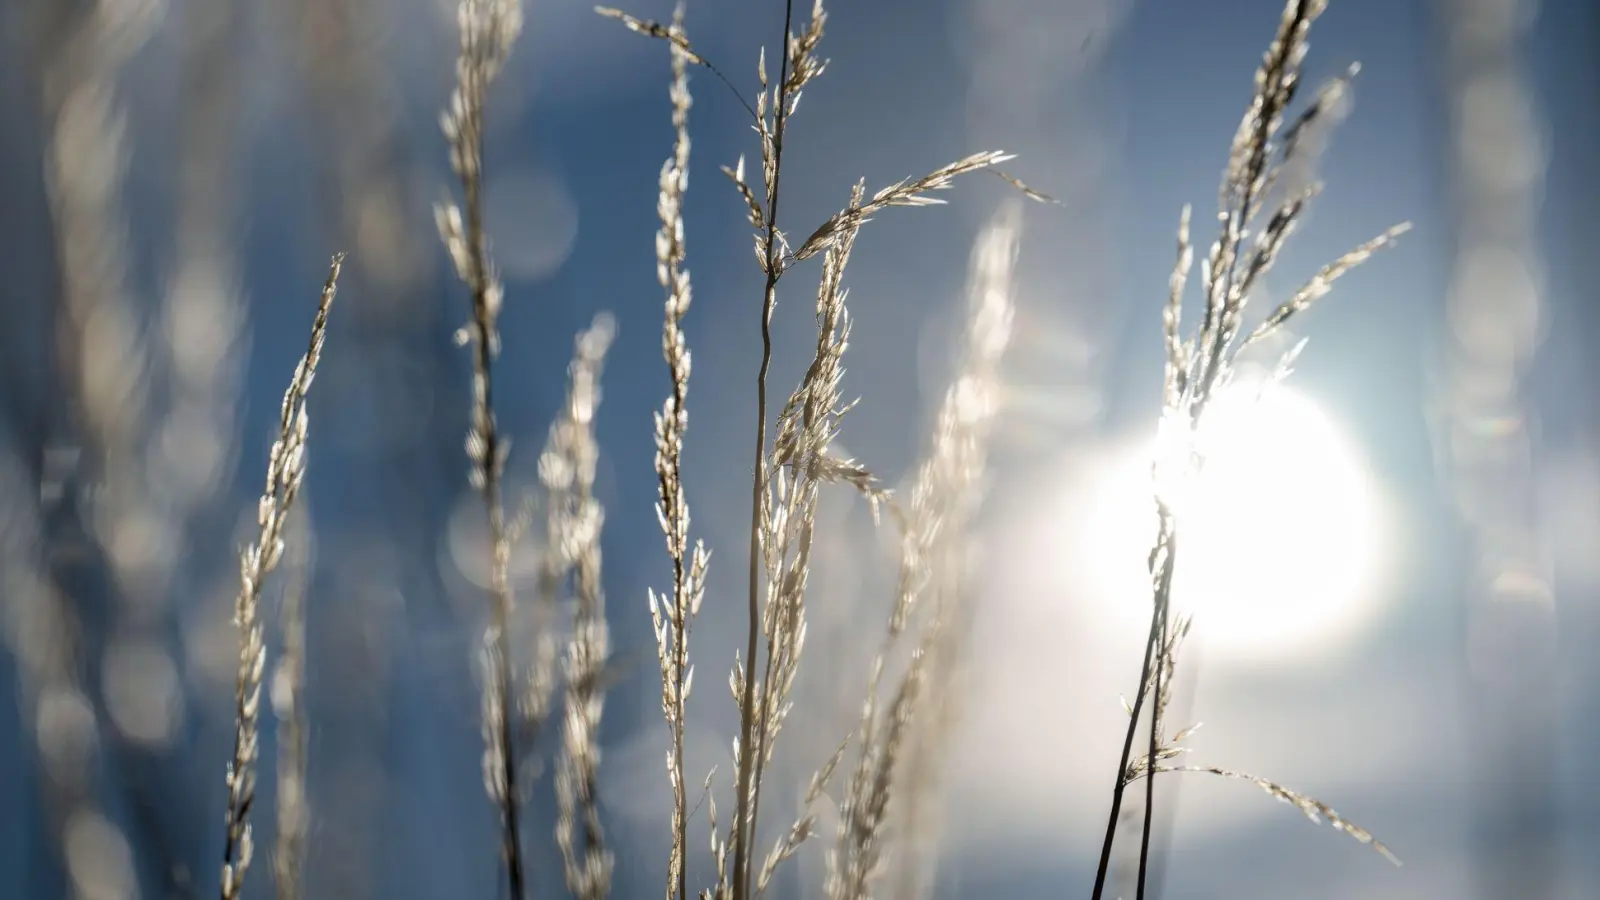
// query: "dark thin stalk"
[[682, 798], [1163, 591], [728, 84], [1122, 768], [745, 812], [1155, 734], [511, 840], [680, 652], [1211, 365]]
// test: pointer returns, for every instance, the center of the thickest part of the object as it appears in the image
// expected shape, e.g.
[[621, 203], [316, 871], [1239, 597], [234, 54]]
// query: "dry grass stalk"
[[285, 472], [797, 66], [568, 469], [801, 464], [672, 615], [789, 475], [906, 192], [1265, 157], [930, 592], [488, 28], [1314, 809], [783, 505]]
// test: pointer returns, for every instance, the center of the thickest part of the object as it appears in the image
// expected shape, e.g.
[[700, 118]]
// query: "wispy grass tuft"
[[789, 474], [1259, 207]]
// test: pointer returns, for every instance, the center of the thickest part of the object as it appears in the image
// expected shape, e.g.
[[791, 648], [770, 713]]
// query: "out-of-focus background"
[[1402, 620]]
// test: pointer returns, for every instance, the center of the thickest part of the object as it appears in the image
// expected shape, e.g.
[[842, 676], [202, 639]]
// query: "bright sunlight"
[[1280, 532]]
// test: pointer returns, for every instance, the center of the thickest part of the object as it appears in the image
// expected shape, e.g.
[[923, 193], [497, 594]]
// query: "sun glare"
[[1279, 531]]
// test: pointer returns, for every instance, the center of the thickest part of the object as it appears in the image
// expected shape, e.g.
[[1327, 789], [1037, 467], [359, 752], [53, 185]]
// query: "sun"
[[1280, 530]]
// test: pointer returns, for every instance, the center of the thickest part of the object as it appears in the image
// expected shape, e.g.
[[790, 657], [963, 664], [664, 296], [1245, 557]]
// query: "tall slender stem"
[[1163, 592], [500, 587], [1159, 676], [744, 815]]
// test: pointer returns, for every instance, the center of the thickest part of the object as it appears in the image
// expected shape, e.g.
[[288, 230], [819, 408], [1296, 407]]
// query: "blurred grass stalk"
[[1487, 434]]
